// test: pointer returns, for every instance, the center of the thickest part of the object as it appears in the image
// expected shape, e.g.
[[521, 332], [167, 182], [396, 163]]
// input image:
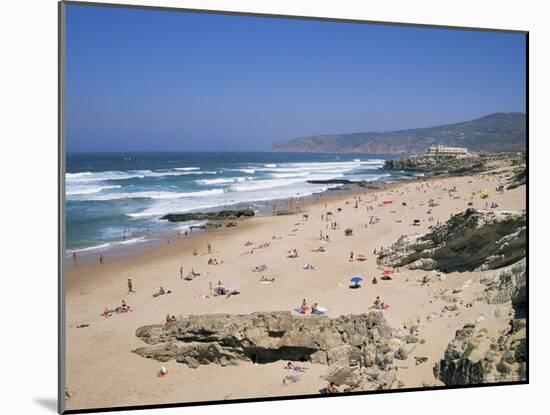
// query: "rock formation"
[[473, 357], [508, 284], [518, 179], [220, 215], [356, 348], [455, 166], [474, 239]]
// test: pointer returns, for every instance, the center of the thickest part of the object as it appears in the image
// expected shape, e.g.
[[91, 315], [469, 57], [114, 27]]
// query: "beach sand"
[[103, 372]]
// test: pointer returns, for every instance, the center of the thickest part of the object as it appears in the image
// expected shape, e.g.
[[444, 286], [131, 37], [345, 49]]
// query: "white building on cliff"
[[440, 150]]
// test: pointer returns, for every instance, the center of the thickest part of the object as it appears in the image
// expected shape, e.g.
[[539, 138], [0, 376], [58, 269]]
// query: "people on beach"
[[209, 246], [378, 304], [161, 291], [351, 256], [314, 308], [130, 286], [293, 367], [331, 388], [74, 258], [162, 372], [303, 307], [101, 258]]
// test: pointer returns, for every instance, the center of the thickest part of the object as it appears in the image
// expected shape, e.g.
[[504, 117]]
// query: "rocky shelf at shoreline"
[[474, 239], [358, 350], [360, 183], [449, 165], [219, 215]]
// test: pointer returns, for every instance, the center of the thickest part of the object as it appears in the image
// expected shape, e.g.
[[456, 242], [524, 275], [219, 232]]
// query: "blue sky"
[[159, 80]]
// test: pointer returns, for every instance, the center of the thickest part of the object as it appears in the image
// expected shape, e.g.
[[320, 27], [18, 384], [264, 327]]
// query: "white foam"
[[151, 195], [248, 170], [288, 175], [224, 180], [104, 246], [86, 177], [264, 184], [88, 189], [187, 168]]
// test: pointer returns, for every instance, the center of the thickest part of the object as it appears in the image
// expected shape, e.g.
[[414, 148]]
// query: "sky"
[[152, 80]]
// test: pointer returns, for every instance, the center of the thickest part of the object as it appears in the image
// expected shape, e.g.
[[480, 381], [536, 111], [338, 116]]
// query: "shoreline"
[[122, 249], [96, 345]]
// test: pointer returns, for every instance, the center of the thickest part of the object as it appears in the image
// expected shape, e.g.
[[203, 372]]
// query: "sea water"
[[116, 199]]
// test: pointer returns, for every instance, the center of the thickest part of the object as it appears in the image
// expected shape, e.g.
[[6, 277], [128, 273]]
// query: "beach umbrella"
[[356, 279]]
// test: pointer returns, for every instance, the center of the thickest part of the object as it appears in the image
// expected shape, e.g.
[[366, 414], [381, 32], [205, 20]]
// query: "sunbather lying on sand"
[[379, 304], [265, 279], [329, 389], [308, 267], [123, 308], [293, 253], [291, 366], [161, 292]]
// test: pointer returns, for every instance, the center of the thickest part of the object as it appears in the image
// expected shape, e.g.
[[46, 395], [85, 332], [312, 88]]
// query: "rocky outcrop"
[[220, 215], [356, 348], [518, 179], [474, 239], [508, 284], [361, 183], [437, 164], [453, 165], [473, 357]]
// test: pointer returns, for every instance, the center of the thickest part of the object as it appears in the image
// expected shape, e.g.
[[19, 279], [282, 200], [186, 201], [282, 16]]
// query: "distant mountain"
[[499, 132]]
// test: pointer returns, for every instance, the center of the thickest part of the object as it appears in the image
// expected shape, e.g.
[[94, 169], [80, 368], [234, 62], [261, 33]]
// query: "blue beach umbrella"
[[356, 279]]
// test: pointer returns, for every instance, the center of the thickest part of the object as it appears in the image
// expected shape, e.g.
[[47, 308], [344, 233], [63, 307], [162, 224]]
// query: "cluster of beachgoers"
[[326, 251]]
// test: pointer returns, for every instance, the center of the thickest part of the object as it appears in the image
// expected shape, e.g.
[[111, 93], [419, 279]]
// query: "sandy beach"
[[102, 371]]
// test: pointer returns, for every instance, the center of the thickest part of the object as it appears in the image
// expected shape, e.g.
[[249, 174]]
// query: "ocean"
[[116, 199]]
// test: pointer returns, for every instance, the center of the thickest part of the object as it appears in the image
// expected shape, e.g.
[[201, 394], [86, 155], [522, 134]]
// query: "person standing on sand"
[[74, 259], [181, 272], [101, 259], [130, 286], [209, 247]]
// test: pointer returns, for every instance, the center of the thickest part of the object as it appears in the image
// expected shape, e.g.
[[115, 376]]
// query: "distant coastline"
[[498, 132]]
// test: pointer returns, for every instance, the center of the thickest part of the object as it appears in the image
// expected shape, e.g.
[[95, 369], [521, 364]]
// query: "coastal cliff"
[[455, 166], [474, 239], [358, 349]]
